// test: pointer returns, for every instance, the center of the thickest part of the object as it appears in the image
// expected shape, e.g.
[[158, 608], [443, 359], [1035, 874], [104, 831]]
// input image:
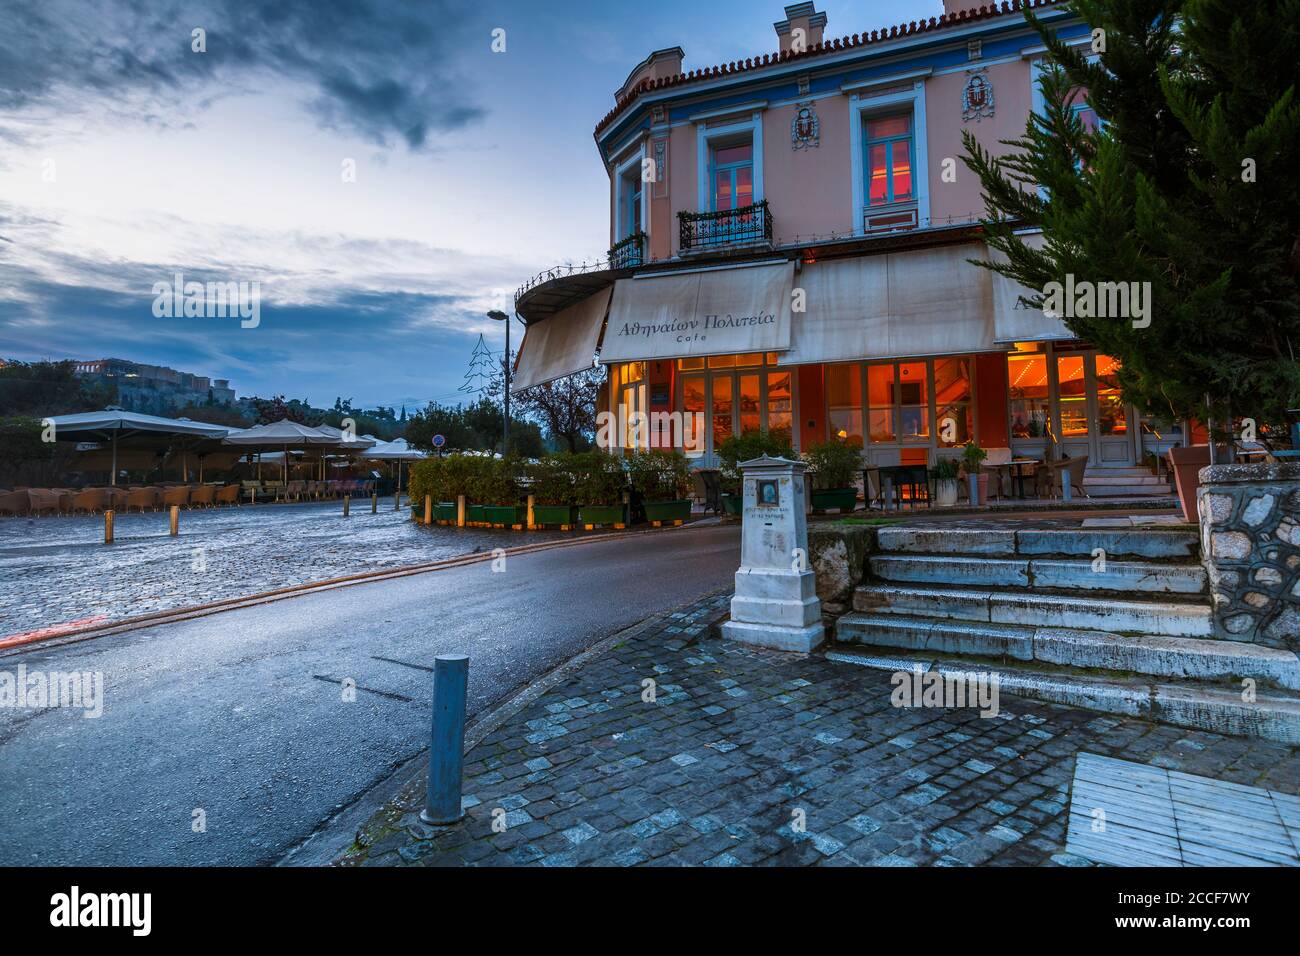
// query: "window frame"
[[865, 105], [888, 142]]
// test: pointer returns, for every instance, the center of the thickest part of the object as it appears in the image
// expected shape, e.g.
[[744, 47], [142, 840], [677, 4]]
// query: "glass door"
[[1114, 442]]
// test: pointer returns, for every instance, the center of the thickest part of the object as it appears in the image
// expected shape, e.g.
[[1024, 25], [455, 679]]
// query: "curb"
[[334, 835], [75, 632]]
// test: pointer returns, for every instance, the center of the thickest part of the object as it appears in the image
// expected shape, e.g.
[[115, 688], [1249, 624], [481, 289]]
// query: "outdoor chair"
[[90, 501], [229, 495], [203, 496], [179, 497], [15, 503], [117, 498], [1049, 482], [142, 498], [295, 490], [995, 466]]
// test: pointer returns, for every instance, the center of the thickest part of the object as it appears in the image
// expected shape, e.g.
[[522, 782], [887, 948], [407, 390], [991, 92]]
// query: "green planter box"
[[732, 504], [602, 514], [667, 510], [508, 515], [843, 499], [444, 511], [474, 514], [554, 514]]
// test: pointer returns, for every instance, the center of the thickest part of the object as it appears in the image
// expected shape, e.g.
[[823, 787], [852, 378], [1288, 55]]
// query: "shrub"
[[552, 480], [598, 478], [750, 445], [660, 475], [834, 464], [972, 457], [429, 477], [946, 469], [497, 481]]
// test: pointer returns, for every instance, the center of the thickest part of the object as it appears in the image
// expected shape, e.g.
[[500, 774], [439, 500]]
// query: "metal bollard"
[[460, 511], [1065, 485], [176, 520], [532, 503], [974, 490], [397, 501], [374, 503], [428, 510], [442, 805], [347, 505], [108, 527]]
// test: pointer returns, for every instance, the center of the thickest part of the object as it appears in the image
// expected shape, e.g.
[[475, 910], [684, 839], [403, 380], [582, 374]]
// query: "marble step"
[[1050, 573], [1178, 544], [1168, 618], [1158, 490], [1272, 715], [1173, 657]]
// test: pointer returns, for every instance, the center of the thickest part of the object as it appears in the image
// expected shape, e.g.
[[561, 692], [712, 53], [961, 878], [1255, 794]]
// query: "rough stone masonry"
[[1250, 543]]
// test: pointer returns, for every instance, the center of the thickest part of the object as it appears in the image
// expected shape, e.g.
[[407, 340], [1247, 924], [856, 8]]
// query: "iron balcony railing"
[[726, 227], [629, 253]]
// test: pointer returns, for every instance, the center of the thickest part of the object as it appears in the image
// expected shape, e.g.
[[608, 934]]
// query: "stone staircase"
[[1124, 483], [1117, 620]]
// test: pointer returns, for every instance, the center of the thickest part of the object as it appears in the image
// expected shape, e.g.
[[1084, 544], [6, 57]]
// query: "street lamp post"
[[500, 316]]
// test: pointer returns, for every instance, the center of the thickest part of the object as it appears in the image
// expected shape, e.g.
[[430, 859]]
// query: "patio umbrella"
[[282, 436], [398, 451], [114, 425], [357, 444]]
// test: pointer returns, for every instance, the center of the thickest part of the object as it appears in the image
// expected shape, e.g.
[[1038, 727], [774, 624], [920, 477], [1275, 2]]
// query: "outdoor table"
[[894, 477], [1019, 469]]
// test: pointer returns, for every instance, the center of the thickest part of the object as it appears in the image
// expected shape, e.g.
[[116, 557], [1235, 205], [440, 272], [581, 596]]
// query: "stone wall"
[[1250, 543], [838, 554]]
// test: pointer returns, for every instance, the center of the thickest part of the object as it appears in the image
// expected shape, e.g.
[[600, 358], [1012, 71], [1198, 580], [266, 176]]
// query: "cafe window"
[[1112, 412], [1073, 395], [890, 159], [780, 404], [1029, 395], [913, 401], [844, 402], [952, 402], [694, 409], [883, 421]]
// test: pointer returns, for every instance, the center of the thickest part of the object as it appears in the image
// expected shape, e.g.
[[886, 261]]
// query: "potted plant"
[[552, 489], [663, 481], [972, 458], [498, 489], [1186, 464], [741, 448], [944, 473], [599, 486], [834, 465]]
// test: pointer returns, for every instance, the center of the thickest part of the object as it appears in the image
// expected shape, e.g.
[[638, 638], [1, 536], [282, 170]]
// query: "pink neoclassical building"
[[790, 238]]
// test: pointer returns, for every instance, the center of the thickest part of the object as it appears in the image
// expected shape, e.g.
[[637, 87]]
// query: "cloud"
[[387, 72]]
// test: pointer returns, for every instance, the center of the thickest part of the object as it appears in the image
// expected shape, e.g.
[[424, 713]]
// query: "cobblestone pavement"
[[55, 570], [740, 744]]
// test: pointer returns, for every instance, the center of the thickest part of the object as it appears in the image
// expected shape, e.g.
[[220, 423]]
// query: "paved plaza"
[[57, 570], [746, 757]]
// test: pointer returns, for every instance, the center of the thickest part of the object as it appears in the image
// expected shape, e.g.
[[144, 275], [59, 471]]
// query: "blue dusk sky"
[[125, 158]]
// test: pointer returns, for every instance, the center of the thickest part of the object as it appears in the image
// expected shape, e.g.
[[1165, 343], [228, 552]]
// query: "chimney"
[[802, 27], [657, 66], [951, 7]]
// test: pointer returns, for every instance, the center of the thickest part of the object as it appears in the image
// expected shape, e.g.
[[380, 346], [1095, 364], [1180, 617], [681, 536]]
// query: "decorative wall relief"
[[805, 130], [977, 97]]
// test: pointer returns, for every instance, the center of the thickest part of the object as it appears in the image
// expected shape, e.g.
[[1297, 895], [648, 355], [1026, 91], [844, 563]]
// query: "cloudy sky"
[[126, 157]]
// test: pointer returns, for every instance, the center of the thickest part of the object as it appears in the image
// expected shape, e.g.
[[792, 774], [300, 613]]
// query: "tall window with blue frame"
[[731, 175], [890, 159], [630, 213]]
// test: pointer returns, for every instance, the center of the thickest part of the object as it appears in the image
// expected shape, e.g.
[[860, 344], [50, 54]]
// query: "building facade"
[[156, 389], [791, 244]]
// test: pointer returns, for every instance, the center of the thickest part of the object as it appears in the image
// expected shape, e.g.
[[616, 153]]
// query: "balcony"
[[705, 231], [630, 253]]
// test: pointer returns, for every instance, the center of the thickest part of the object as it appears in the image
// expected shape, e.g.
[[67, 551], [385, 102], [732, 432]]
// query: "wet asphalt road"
[[241, 715]]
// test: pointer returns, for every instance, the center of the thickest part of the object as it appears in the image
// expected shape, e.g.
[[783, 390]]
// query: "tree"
[[41, 389], [566, 408], [272, 410], [1192, 184]]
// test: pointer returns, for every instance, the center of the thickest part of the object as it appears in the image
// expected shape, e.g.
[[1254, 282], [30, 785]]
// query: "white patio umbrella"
[[356, 444], [283, 436], [398, 451], [114, 425]]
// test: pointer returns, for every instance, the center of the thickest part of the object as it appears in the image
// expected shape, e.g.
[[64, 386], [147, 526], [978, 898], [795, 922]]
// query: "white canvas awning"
[[561, 345], [727, 311], [901, 305], [1014, 320]]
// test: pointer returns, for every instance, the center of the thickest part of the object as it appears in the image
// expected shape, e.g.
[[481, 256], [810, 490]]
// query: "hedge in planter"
[[496, 490], [599, 485], [663, 481], [834, 467], [747, 447], [553, 491]]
